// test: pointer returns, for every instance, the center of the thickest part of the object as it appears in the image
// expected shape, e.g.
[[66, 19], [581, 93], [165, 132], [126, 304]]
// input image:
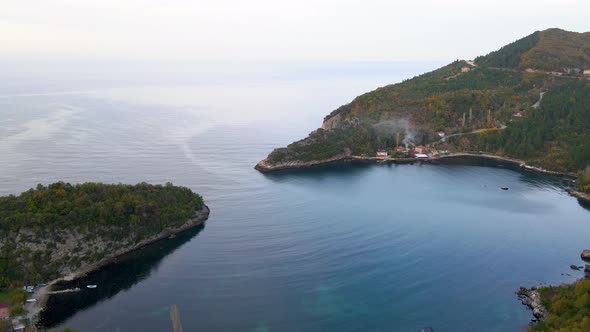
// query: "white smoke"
[[390, 129]]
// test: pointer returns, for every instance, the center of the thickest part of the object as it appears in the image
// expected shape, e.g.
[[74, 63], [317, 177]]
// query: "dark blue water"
[[338, 248]]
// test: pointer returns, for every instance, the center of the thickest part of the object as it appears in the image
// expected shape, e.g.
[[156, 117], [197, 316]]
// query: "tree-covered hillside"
[[549, 50], [52, 230], [500, 91], [568, 306]]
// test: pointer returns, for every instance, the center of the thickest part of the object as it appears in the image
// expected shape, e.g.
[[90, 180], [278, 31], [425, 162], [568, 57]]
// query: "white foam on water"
[[38, 129]]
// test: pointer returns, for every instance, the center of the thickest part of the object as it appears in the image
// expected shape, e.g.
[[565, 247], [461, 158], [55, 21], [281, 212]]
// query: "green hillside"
[[51, 231], [496, 91]]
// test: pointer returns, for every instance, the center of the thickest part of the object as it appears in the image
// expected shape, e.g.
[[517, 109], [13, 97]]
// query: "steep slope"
[[50, 232], [499, 90]]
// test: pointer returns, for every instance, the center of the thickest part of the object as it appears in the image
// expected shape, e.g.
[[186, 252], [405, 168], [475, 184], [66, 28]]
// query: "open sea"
[[350, 247]]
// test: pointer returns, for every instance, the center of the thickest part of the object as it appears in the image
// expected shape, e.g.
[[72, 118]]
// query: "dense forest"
[[52, 230], [556, 135], [569, 308], [499, 92]]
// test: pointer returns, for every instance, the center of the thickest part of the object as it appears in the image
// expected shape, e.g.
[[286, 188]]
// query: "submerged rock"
[[574, 267]]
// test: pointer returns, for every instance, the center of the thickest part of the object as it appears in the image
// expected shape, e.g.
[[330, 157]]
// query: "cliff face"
[[73, 251], [332, 122], [497, 90], [56, 230]]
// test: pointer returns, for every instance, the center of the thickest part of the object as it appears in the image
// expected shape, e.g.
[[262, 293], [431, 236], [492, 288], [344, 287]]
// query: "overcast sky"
[[274, 30]]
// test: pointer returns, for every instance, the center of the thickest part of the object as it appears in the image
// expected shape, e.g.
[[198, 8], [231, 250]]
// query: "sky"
[[274, 30]]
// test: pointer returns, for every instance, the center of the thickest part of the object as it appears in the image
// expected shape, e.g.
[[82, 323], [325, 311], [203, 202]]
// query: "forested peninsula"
[[64, 230], [529, 101]]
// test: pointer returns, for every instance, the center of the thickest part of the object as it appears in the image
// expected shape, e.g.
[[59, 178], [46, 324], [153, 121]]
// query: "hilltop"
[[528, 100]]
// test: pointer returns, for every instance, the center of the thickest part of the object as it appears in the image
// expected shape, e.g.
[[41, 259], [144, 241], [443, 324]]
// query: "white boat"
[[31, 300], [91, 286]]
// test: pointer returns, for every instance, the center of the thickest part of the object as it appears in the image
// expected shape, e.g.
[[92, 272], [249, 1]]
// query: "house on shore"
[[587, 72], [420, 149], [465, 69], [382, 154]]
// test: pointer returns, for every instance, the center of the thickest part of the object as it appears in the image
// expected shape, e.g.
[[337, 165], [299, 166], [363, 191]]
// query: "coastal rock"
[[331, 123], [585, 197], [266, 166], [587, 268], [574, 267], [532, 299], [585, 254]]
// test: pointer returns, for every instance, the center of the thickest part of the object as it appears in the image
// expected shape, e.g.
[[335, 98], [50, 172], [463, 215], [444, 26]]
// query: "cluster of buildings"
[[412, 151], [17, 325], [18, 322]]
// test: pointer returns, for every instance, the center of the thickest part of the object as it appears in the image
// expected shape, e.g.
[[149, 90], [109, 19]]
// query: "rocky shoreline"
[[265, 167], [580, 195], [43, 293], [532, 299]]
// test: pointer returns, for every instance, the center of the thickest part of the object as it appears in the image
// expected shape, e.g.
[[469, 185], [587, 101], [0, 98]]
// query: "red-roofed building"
[[4, 313], [421, 149]]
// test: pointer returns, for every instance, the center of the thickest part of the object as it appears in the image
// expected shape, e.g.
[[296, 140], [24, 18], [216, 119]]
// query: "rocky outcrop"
[[532, 299], [585, 254], [332, 122], [199, 218], [581, 196], [265, 166]]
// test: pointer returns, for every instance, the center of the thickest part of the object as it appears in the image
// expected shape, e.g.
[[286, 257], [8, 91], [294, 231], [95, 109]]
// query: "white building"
[[381, 154]]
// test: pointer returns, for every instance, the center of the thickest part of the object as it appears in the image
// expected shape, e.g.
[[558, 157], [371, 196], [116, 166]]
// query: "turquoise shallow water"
[[334, 248]]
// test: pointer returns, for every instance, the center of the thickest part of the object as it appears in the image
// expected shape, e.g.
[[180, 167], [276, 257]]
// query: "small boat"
[[504, 188], [31, 300], [91, 286]]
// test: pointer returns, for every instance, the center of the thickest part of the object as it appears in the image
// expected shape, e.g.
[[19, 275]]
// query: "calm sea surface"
[[336, 248]]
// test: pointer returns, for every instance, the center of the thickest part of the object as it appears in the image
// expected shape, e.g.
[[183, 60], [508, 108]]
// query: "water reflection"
[[356, 167], [584, 204], [121, 276], [338, 169]]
